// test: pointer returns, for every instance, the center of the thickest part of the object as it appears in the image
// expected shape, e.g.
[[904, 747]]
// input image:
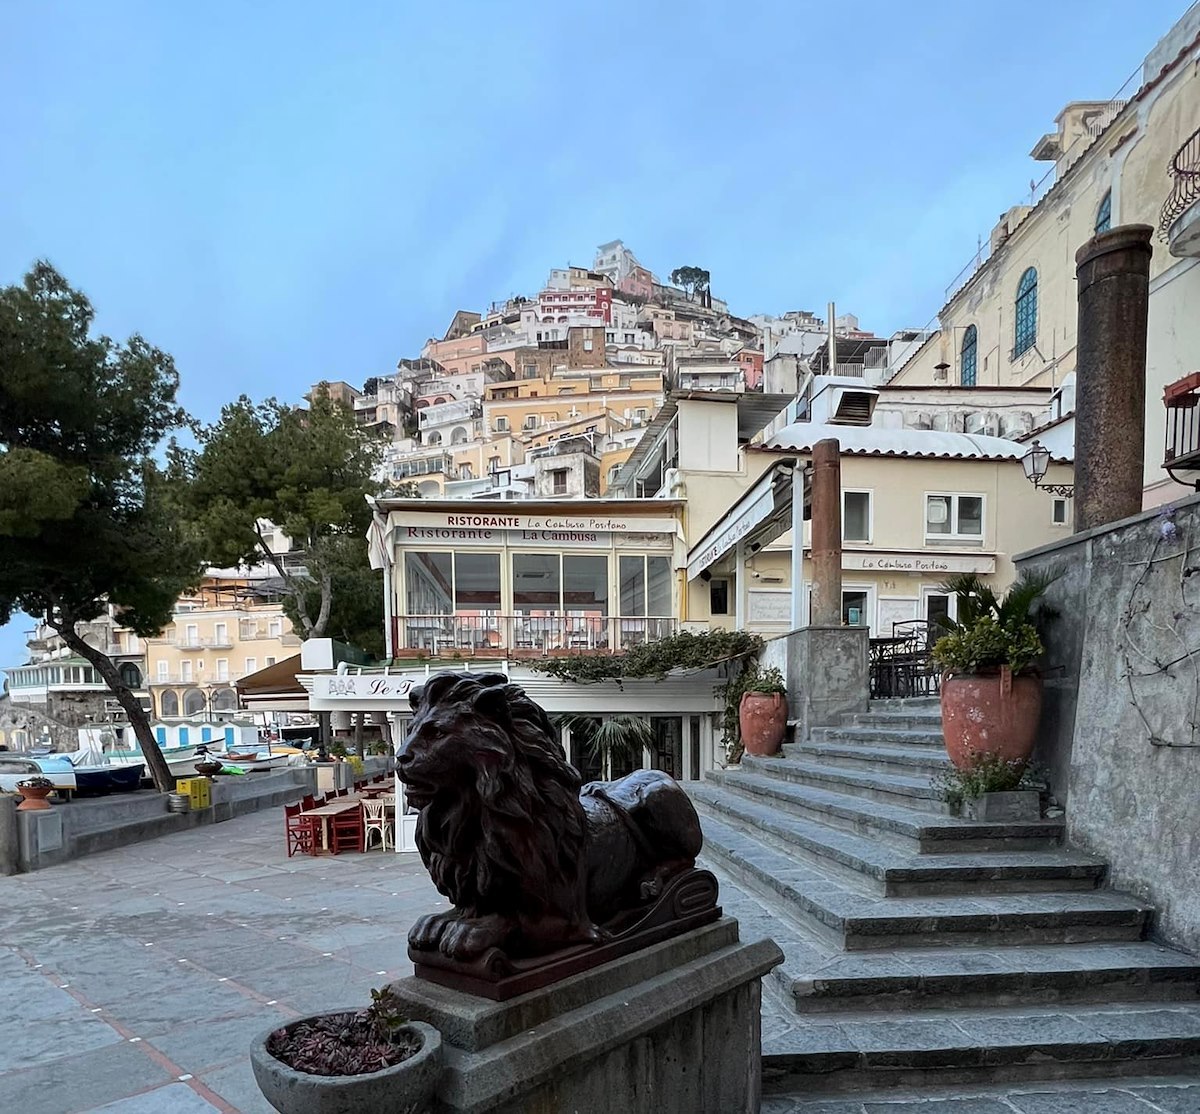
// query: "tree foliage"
[[87, 518], [306, 471], [691, 279]]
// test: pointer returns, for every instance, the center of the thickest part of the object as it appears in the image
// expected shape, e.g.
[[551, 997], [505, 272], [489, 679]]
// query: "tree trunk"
[[359, 743], [160, 774]]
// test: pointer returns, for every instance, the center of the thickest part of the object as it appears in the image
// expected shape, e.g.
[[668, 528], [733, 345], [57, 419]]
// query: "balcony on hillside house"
[[1179, 222], [1181, 453]]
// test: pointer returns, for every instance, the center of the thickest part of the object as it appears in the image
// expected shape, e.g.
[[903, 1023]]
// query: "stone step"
[[816, 978], [906, 704], [896, 789], [880, 736], [925, 721], [890, 871], [1018, 1043], [856, 921], [1174, 1094], [767, 780], [910, 761]]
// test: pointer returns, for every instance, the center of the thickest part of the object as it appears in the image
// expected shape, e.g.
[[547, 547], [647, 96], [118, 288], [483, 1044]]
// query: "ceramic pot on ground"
[[34, 797], [990, 714], [404, 1088], [762, 717]]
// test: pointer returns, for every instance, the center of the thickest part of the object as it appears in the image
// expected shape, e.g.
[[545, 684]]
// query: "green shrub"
[[989, 773], [769, 681], [987, 645]]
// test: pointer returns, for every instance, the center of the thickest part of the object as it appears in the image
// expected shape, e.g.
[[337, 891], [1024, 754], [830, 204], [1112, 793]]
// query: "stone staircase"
[[926, 950]]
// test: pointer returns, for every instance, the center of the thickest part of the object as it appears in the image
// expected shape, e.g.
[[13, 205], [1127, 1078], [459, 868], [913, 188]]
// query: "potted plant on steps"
[[372, 1061], [991, 693], [763, 713]]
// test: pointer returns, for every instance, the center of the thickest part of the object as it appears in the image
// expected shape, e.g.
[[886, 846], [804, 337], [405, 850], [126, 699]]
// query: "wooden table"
[[324, 812]]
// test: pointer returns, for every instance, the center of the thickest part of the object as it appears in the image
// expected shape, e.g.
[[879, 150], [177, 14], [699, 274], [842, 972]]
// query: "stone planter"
[[762, 718], [1015, 806], [405, 1088], [34, 797], [994, 714]]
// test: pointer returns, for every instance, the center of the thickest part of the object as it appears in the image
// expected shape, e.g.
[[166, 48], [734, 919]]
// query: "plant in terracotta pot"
[[371, 1061], [763, 713], [991, 693], [34, 790]]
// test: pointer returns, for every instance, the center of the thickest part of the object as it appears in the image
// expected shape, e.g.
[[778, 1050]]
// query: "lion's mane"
[[503, 829]]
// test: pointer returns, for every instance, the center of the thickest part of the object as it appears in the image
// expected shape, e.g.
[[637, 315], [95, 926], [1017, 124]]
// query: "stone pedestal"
[[827, 675], [671, 1029]]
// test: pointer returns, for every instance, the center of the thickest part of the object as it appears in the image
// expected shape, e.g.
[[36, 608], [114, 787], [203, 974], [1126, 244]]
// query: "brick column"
[[1113, 270], [827, 533]]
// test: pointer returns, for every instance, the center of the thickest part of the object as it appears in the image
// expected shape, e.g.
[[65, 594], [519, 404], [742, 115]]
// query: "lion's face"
[[459, 735]]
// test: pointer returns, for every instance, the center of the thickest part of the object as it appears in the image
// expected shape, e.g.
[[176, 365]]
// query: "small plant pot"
[[1005, 808], [34, 797], [404, 1088], [762, 718], [993, 714]]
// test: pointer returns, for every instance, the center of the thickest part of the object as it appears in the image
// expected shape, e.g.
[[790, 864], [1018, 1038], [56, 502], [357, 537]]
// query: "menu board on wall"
[[769, 605]]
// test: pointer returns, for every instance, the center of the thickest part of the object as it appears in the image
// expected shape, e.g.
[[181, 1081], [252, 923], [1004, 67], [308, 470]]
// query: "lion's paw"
[[472, 936], [428, 931]]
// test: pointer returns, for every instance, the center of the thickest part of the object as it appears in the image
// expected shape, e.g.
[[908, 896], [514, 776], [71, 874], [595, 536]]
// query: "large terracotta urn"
[[762, 717], [34, 797], [990, 713]]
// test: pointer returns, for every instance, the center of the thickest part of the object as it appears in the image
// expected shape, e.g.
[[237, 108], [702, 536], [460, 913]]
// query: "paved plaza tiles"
[[133, 981]]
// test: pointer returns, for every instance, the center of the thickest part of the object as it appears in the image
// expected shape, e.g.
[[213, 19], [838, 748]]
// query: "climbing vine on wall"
[[1157, 630], [736, 650]]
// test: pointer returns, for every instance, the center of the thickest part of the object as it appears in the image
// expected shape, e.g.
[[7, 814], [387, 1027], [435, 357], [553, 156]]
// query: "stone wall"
[[1120, 732]]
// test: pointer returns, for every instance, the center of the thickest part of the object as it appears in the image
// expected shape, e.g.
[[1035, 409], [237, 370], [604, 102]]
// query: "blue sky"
[[280, 192]]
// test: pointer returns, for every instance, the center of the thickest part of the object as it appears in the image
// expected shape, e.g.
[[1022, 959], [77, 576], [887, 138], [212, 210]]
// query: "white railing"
[[534, 633]]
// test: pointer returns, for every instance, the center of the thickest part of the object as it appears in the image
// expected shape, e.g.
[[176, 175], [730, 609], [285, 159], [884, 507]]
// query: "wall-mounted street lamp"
[[1035, 462]]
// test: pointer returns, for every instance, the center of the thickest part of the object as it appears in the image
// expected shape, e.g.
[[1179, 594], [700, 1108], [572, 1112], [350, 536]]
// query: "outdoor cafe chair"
[[376, 820], [301, 830], [346, 831]]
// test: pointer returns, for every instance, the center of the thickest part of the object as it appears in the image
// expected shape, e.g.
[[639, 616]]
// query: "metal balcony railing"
[[536, 633], [1185, 169], [188, 642]]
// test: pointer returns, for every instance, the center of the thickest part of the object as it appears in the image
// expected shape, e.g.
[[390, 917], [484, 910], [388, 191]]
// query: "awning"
[[770, 497], [274, 689]]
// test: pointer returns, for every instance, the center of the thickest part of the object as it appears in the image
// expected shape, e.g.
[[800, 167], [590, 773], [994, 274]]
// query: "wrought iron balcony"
[[1181, 453], [1179, 222], [533, 634]]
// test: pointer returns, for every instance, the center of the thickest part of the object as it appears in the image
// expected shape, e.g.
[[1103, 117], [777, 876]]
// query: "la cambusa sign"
[[918, 562]]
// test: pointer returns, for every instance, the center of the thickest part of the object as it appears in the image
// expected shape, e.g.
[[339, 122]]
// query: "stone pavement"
[[134, 980]]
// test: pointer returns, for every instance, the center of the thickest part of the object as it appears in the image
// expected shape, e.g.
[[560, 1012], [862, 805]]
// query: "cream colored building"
[[232, 626], [1010, 318], [918, 506]]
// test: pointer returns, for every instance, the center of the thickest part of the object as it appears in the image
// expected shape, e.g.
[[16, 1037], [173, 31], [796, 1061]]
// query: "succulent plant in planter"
[[991, 694], [34, 790], [366, 1061], [763, 713]]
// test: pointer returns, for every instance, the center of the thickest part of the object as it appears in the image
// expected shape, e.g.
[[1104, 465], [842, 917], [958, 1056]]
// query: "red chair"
[[347, 831], [308, 802], [342, 792], [301, 831]]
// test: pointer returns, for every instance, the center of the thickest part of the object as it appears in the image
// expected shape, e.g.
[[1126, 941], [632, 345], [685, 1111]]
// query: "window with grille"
[[970, 346], [1104, 214], [1026, 313]]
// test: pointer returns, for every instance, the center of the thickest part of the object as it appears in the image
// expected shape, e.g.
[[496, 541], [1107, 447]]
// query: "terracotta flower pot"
[[762, 717], [990, 714], [34, 797]]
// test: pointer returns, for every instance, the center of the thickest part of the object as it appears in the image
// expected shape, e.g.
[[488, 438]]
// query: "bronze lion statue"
[[531, 862]]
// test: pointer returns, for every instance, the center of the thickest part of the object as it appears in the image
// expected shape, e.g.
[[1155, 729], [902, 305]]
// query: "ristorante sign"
[[366, 687], [515, 520]]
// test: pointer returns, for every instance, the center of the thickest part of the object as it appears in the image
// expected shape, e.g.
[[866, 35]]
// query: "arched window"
[[433, 438], [224, 701], [458, 436], [969, 346], [1104, 214], [131, 675], [1025, 334], [193, 702], [168, 705]]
